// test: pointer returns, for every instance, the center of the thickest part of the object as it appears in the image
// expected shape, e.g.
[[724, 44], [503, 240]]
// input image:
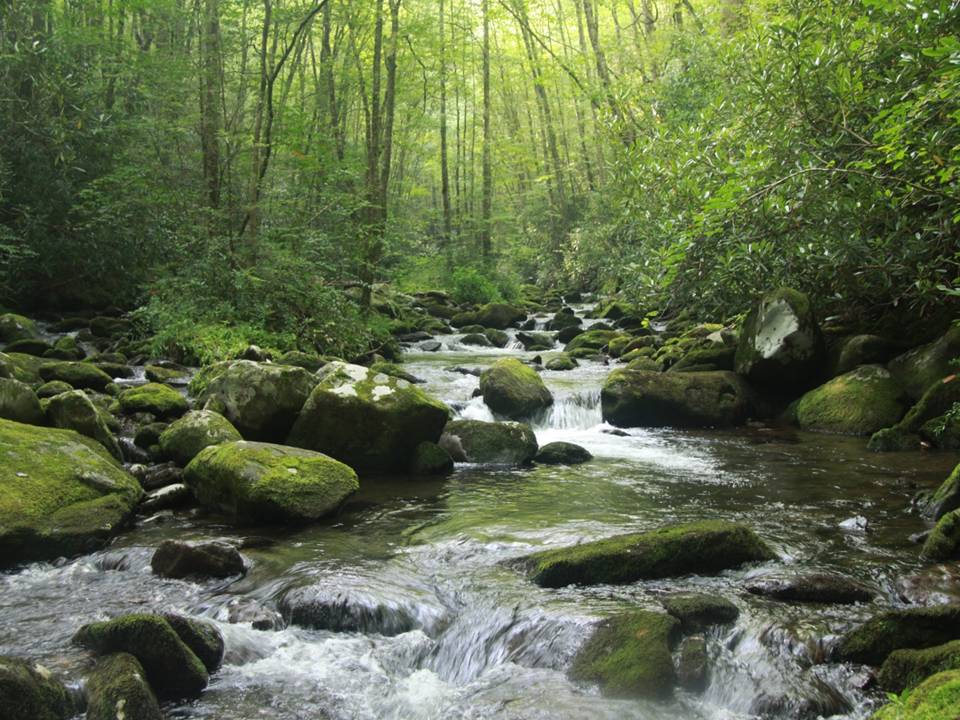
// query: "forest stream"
[[406, 606]]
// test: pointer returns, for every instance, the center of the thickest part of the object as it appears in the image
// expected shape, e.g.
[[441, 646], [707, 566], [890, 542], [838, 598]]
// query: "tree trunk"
[[487, 201], [444, 162], [210, 122]]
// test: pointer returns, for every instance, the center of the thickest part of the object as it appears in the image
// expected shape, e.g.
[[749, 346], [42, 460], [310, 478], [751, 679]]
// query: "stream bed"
[[406, 606]]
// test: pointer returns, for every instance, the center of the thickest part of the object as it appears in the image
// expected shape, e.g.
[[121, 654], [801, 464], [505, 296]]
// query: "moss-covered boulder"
[[172, 668], [30, 346], [925, 418], [297, 358], [23, 367], [628, 655], [371, 421], [698, 611], [60, 493], [476, 340], [714, 357], [183, 439], [497, 338], [702, 548], [914, 628], [73, 410], [117, 689], [514, 390], [595, 340], [54, 387], [640, 398], [946, 497], [943, 542], [110, 327], [498, 316], [936, 698], [563, 320], [19, 403], [562, 453], [77, 374], [561, 362], [66, 348], [501, 443], [260, 400], [201, 636], [28, 691], [907, 668], [254, 482], [860, 402], [856, 350], [178, 559], [921, 367], [780, 343], [169, 375], [159, 400], [15, 327], [431, 459]]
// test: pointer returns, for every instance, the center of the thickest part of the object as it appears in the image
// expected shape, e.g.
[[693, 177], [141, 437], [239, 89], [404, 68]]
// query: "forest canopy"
[[253, 170]]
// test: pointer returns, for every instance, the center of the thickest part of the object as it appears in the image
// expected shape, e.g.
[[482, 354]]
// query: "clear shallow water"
[[435, 623]]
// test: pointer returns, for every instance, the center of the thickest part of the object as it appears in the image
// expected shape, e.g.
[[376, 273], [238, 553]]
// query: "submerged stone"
[[628, 655], [699, 611], [562, 453], [702, 548], [813, 588], [178, 559]]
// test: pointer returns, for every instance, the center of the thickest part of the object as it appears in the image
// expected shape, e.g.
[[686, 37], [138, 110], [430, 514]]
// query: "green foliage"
[[469, 285]]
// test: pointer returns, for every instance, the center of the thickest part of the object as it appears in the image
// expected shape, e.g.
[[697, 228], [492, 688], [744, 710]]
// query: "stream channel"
[[424, 619]]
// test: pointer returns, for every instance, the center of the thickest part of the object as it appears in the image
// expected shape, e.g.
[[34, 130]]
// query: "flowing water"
[[406, 606]]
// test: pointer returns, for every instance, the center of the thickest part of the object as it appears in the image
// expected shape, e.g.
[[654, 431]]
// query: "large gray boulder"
[[183, 439], [260, 400], [369, 420], [502, 443], [780, 343]]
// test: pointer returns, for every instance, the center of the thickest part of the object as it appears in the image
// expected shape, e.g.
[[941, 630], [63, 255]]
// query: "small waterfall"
[[574, 411]]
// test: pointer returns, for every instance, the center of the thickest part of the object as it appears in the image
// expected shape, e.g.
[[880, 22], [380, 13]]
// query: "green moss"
[[183, 440], [15, 327], [19, 403], [309, 362], [639, 398], [431, 459], [394, 370], [118, 688], [60, 493], [936, 698], [918, 369], [77, 374], [29, 692], [173, 670], [54, 387], [706, 547], [476, 441], [946, 497], [698, 611], [629, 655], [154, 398], [916, 628], [594, 340], [160, 374], [368, 420], [26, 368], [943, 543], [205, 375], [859, 403], [258, 482], [73, 410], [203, 639], [30, 346], [907, 668], [497, 338], [715, 357], [893, 440], [513, 389], [561, 362], [261, 400]]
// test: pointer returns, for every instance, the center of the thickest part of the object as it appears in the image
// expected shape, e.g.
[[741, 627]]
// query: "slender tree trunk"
[[447, 238], [487, 200], [210, 122]]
